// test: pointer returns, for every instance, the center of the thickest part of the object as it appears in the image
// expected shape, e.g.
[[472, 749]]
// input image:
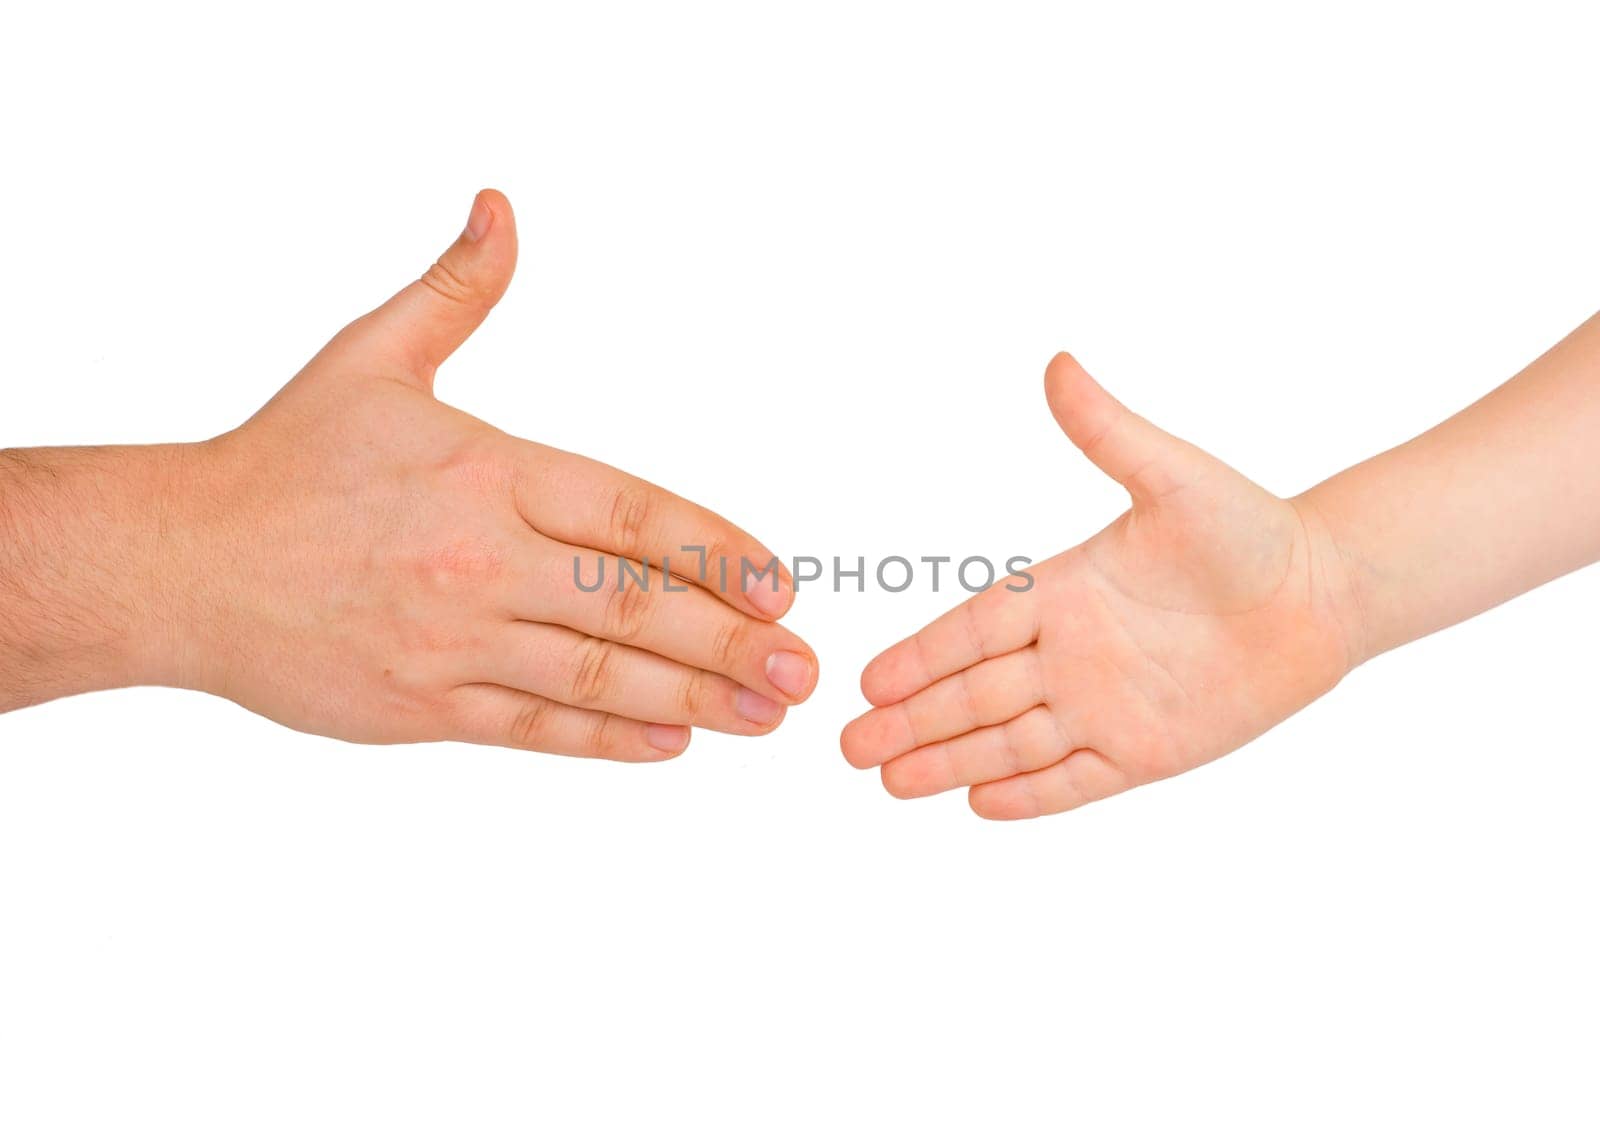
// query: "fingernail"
[[667, 737], [790, 673], [757, 708], [769, 594], [478, 220]]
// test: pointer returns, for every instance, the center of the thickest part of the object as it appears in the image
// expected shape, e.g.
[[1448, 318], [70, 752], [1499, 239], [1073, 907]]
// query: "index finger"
[[587, 503]]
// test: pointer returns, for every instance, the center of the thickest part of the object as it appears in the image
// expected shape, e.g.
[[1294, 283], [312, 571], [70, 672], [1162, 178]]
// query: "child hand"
[[1208, 612]]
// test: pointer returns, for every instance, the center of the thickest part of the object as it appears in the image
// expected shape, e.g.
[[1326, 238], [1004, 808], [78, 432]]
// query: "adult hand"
[[360, 560]]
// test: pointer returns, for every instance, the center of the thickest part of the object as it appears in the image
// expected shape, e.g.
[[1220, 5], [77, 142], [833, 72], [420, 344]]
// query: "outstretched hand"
[[1208, 612], [362, 561]]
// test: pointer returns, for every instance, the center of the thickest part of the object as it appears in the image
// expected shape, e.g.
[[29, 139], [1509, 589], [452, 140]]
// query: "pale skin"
[[1213, 609], [362, 561]]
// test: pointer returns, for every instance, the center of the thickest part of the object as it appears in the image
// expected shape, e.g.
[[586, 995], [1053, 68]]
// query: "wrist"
[[1343, 586], [94, 577], [168, 645]]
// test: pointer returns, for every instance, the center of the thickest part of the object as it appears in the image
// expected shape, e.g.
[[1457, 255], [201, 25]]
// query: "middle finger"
[[637, 606]]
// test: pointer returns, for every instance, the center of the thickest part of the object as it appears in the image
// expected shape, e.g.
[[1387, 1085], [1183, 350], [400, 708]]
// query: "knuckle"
[[531, 722], [593, 676], [599, 738], [632, 511], [1013, 749], [453, 564], [976, 615], [723, 566], [425, 652], [449, 284], [694, 695], [477, 466], [1053, 739], [1075, 792], [627, 612], [973, 704], [916, 716], [729, 645]]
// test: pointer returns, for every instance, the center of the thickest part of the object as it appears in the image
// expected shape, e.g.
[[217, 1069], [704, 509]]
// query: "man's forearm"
[[1494, 501], [89, 588]]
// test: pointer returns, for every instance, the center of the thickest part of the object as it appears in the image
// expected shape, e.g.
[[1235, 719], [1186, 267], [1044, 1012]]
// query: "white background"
[[806, 266]]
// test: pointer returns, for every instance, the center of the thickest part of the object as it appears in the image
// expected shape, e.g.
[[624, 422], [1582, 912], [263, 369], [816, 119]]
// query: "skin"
[[360, 560], [1213, 609]]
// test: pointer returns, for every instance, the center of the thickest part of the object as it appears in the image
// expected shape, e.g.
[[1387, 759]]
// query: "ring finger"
[[588, 672], [1029, 742]]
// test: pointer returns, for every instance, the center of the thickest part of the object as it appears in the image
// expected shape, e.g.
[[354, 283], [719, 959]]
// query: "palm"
[[1189, 625], [1174, 640]]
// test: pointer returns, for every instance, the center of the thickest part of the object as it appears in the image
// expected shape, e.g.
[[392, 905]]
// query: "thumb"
[[1147, 461], [422, 324]]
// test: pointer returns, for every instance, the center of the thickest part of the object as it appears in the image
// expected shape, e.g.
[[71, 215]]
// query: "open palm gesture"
[[1205, 614]]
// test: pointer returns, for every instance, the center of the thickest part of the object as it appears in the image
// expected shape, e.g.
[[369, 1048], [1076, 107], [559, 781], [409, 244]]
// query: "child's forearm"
[[1500, 498]]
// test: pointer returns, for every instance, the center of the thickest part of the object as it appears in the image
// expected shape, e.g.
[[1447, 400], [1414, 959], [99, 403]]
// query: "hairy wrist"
[[92, 569]]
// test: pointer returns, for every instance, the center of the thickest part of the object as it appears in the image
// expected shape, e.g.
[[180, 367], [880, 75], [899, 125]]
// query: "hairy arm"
[[88, 569], [361, 560]]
